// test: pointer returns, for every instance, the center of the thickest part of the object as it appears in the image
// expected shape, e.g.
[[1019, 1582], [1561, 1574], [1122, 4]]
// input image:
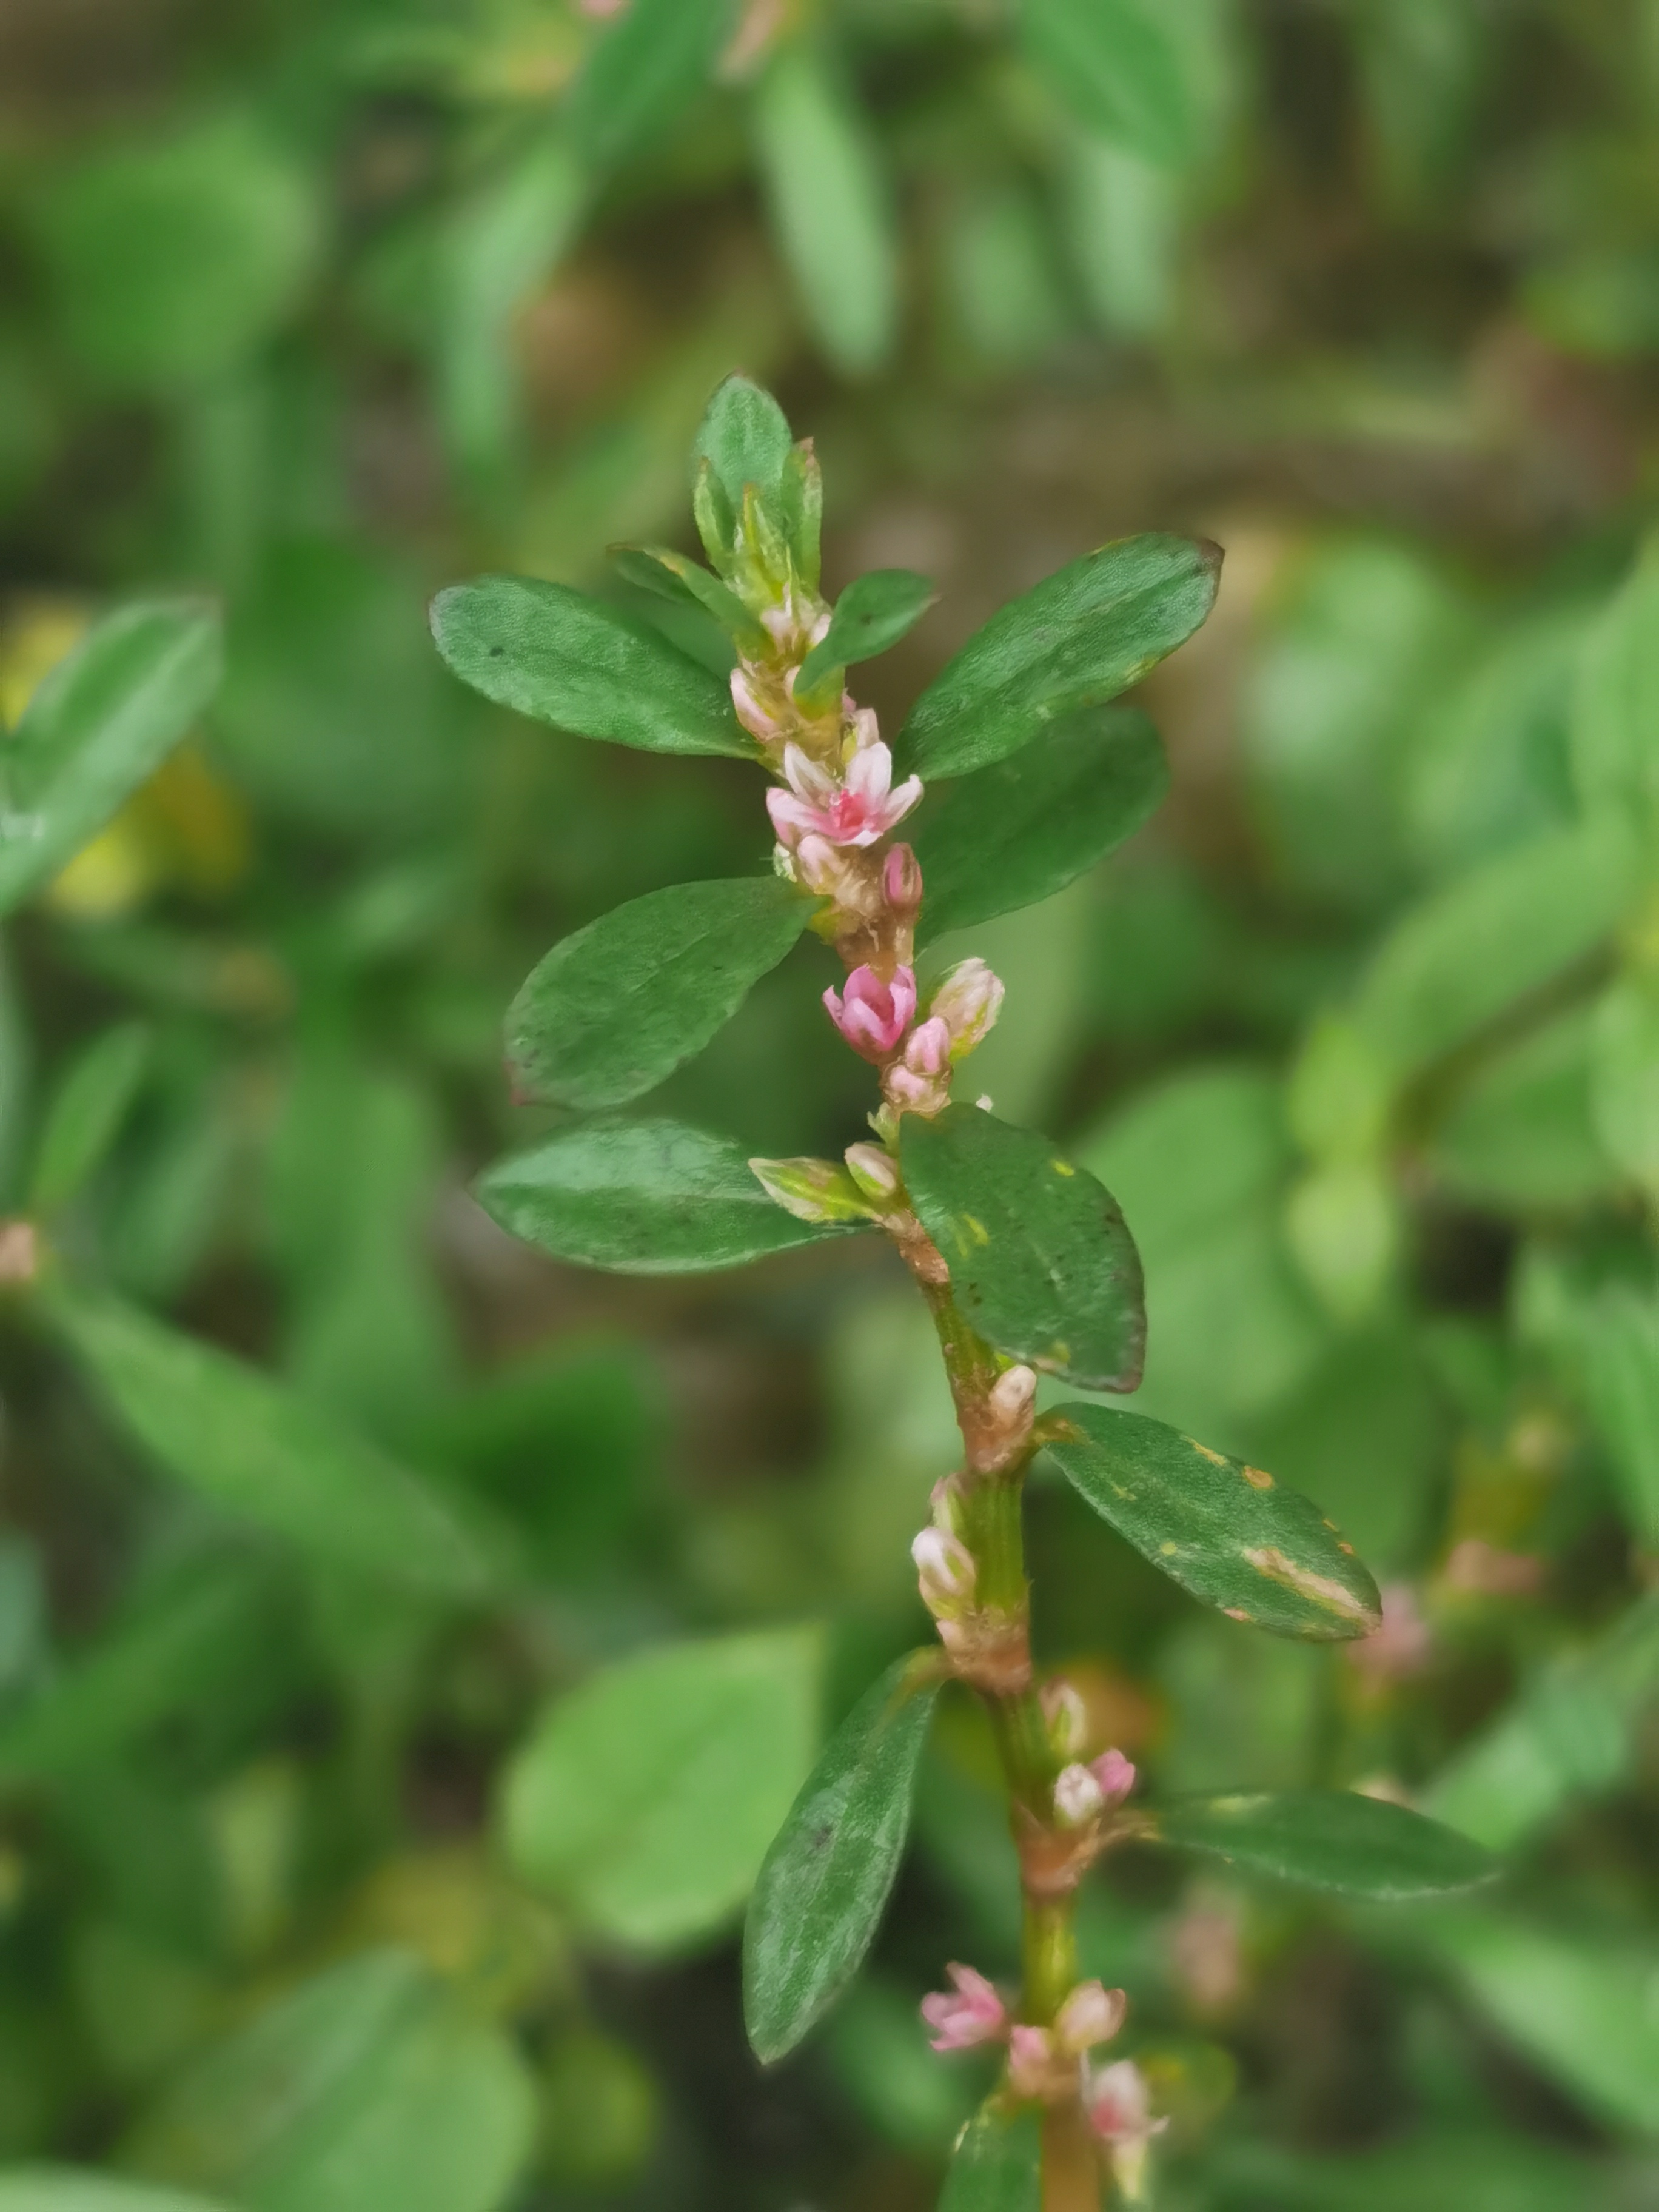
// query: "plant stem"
[[992, 1496]]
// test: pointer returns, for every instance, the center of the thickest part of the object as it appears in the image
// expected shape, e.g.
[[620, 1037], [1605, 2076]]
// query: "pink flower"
[[1115, 1776], [1089, 2015], [873, 1016], [972, 2013], [921, 1080], [859, 811]]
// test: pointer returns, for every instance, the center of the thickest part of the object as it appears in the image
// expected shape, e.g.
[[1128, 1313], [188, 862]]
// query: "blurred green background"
[[317, 305]]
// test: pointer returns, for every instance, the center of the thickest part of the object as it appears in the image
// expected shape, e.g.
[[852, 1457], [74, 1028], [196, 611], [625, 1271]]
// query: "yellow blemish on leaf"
[[1257, 1478], [1215, 1458], [1322, 1590], [1060, 1354], [1168, 1549], [1063, 1167], [1343, 1545], [1235, 1612], [977, 1230]]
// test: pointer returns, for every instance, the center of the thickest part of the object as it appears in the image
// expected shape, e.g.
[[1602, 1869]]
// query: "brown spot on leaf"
[[1258, 1478], [1320, 1589], [1215, 1458]]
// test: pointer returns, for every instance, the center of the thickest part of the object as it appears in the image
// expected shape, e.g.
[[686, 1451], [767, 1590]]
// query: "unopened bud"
[[901, 882], [968, 1002], [1077, 1796], [1115, 1776], [875, 1172], [1092, 2014], [813, 1190], [1067, 1717], [761, 726], [1011, 1394], [1030, 2060], [945, 1568]]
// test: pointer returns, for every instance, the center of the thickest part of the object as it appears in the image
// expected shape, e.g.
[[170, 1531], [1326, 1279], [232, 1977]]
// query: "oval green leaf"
[[744, 438], [1041, 1262], [1227, 1533], [1076, 639], [1331, 1839], [1020, 831], [87, 1114], [267, 1455], [616, 1006], [825, 1881], [643, 70], [1119, 66], [97, 727], [998, 2163], [831, 205], [642, 1198], [646, 1798], [371, 2088], [553, 653], [874, 612], [686, 583]]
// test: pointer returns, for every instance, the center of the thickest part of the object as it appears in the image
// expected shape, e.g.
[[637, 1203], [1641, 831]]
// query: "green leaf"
[[1076, 639], [825, 1881], [998, 2163], [1581, 2008], [1457, 961], [172, 261], [267, 1455], [550, 652], [73, 2189], [369, 2088], [687, 583], [1624, 1075], [87, 1114], [800, 509], [1331, 1839], [1015, 834], [1519, 1136], [1041, 1262], [646, 1797], [874, 612], [616, 1006], [744, 438], [1227, 1533], [96, 728], [1119, 65], [831, 207], [1615, 761], [643, 70], [642, 1198], [1621, 1382]]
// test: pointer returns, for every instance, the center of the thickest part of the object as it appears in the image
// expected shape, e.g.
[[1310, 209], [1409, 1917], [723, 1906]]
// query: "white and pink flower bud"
[[1012, 1395], [1031, 2058], [968, 1002], [901, 882], [1114, 1776], [764, 728], [1078, 1798], [920, 1081], [945, 1571], [1065, 1716], [969, 2014], [832, 872], [875, 1171], [1119, 2107], [1402, 1646], [872, 1015], [1092, 2014]]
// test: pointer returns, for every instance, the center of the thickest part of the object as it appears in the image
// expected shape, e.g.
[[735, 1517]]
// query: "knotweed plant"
[[1010, 776]]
